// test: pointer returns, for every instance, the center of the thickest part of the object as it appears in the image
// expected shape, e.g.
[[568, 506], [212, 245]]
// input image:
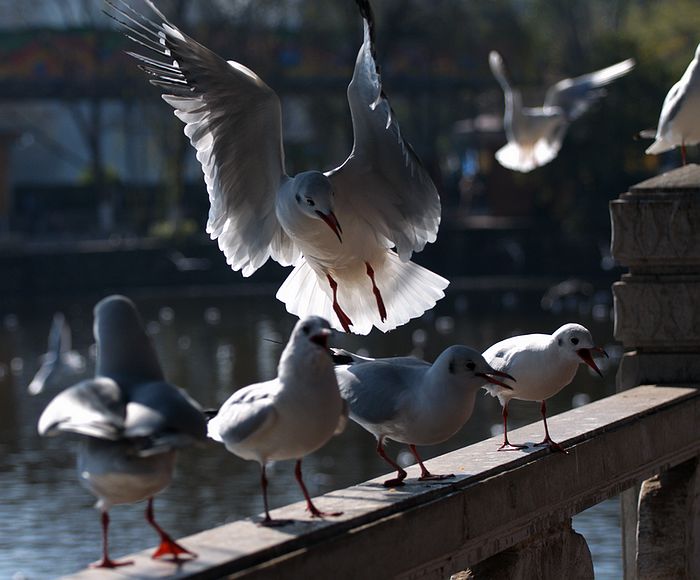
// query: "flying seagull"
[[349, 232], [535, 134]]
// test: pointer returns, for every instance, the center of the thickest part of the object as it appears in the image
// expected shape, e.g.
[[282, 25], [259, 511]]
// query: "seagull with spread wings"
[[349, 232], [535, 134]]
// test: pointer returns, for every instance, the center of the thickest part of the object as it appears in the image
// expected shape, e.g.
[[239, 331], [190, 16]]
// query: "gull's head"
[[576, 343], [312, 333], [469, 367], [313, 194]]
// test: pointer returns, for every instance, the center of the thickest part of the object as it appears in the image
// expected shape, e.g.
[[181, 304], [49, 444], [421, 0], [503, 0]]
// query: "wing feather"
[[233, 120], [383, 180]]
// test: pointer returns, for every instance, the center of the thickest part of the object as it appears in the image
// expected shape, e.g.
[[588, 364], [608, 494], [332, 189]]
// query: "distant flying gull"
[[411, 401], [59, 357], [336, 228], [131, 422], [289, 416], [543, 364], [535, 134], [679, 122]]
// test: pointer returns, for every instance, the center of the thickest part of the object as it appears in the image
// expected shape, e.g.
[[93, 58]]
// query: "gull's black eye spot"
[[451, 367], [471, 366], [298, 198], [306, 329], [310, 202], [574, 340], [559, 341]]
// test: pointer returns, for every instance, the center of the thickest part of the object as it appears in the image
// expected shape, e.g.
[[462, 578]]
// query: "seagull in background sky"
[[349, 232], [289, 416], [59, 356], [412, 401], [679, 122], [543, 364], [535, 134], [130, 422]]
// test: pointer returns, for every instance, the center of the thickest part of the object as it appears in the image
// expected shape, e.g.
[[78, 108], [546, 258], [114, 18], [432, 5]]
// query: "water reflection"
[[212, 345]]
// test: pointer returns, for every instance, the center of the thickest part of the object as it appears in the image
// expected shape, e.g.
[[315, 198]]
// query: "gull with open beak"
[[349, 232], [289, 416], [544, 365], [412, 401]]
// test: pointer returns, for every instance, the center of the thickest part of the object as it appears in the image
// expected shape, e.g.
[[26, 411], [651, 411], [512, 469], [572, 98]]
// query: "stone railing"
[[508, 515]]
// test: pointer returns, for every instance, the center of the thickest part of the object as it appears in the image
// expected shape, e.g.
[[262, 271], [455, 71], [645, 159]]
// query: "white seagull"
[[131, 422], [679, 122], [337, 228], [289, 416], [535, 134], [544, 364], [59, 356], [411, 401]]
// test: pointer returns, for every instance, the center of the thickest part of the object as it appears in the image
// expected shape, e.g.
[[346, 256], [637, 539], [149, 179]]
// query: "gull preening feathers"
[[349, 232], [412, 401], [679, 122], [535, 135], [289, 416], [130, 421], [543, 364]]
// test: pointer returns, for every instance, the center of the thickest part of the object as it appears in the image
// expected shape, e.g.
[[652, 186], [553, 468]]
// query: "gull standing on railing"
[[679, 122], [289, 416], [535, 134], [337, 228], [412, 401], [543, 364], [130, 421]]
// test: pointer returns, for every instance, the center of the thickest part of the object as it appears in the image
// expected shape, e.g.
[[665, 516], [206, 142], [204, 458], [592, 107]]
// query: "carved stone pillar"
[[656, 234]]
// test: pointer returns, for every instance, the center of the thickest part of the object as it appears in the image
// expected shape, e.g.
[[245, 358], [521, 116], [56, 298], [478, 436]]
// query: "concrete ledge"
[[430, 530]]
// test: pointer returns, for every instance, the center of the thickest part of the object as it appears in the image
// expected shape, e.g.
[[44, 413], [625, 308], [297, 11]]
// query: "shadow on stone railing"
[[505, 515]]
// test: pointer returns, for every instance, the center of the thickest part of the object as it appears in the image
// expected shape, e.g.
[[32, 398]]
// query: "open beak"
[[321, 338], [585, 354], [493, 381], [332, 222]]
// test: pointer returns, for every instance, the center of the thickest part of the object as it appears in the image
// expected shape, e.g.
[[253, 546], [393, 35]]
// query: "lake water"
[[212, 342]]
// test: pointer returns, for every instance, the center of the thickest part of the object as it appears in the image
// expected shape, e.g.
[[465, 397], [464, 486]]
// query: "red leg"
[[310, 507], [106, 561], [377, 293], [168, 546], [683, 153], [400, 472], [424, 473], [553, 445], [342, 317], [507, 445], [268, 521]]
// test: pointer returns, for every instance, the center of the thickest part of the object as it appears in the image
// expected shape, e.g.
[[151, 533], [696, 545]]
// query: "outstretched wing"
[[382, 180], [575, 96], [94, 408], [233, 119]]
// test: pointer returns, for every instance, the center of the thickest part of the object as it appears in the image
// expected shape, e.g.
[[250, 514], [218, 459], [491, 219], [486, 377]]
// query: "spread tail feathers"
[[407, 290], [513, 156]]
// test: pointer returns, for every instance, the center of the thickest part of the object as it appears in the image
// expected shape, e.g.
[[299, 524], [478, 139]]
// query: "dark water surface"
[[211, 344]]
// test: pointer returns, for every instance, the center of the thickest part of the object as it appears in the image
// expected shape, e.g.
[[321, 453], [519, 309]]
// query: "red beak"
[[332, 222], [493, 381], [321, 338], [586, 357]]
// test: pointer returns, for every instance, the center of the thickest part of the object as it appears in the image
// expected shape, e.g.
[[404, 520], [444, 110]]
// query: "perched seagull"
[[59, 356], [289, 416], [412, 401], [535, 134], [544, 365], [131, 422], [349, 232], [679, 122]]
